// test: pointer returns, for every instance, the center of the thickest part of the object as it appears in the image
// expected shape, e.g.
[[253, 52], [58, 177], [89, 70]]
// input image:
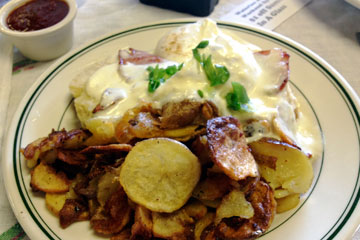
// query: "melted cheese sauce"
[[119, 88]]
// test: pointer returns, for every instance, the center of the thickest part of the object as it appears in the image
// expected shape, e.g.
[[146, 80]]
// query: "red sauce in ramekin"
[[37, 14]]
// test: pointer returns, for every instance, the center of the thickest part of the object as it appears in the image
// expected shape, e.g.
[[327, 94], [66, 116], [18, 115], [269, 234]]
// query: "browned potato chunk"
[[293, 171], [45, 178], [228, 148]]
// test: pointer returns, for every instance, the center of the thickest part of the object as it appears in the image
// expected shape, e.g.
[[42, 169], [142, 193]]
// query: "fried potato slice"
[[160, 174], [234, 205], [201, 149], [195, 209], [261, 197], [68, 140], [212, 187], [114, 216], [202, 224], [72, 211], [293, 171], [45, 178], [176, 225], [212, 203], [55, 202], [184, 134], [123, 235], [142, 227], [228, 148], [110, 148], [107, 185], [287, 203]]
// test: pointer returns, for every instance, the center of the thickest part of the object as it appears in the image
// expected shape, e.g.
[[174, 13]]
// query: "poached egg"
[[112, 89]]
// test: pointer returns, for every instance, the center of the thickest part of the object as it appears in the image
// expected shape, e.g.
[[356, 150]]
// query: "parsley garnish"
[[160, 75], [238, 98], [201, 94], [215, 73]]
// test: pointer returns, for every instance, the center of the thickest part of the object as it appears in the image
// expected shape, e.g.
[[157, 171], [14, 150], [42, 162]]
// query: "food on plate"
[[229, 150], [160, 174], [45, 178], [202, 139], [283, 166]]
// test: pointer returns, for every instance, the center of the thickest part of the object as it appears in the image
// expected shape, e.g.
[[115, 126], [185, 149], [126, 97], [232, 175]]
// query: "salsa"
[[37, 14]]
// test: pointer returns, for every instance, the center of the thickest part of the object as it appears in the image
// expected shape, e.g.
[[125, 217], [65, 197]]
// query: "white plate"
[[329, 210]]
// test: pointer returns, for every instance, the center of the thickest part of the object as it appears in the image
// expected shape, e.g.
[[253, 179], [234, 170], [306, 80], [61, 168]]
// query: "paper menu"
[[264, 13]]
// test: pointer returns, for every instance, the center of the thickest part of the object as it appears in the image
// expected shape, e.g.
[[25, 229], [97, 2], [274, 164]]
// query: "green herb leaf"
[[196, 55], [201, 94], [238, 99], [216, 74], [203, 44], [160, 75]]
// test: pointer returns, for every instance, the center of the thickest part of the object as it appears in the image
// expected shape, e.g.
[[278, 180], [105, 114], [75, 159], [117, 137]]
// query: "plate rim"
[[338, 80]]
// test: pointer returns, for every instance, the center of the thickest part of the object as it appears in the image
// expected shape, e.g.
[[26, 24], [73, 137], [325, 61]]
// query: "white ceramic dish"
[[44, 44], [328, 211]]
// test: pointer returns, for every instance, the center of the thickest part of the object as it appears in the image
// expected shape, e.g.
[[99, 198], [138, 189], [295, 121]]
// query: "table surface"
[[327, 27]]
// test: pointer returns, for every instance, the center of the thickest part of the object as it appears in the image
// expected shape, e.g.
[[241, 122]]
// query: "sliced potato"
[[261, 197], [107, 185], [110, 148], [176, 225], [201, 149], [55, 202], [212, 203], [72, 211], [45, 178], [234, 205], [195, 209], [180, 132], [114, 216], [287, 203], [32, 151], [228, 148], [103, 131], [123, 235], [142, 227], [280, 193], [293, 170], [56, 139], [160, 174], [202, 224], [185, 133], [213, 187]]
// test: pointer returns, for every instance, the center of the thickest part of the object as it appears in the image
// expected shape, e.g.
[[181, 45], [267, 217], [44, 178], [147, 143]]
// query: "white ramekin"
[[44, 44]]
